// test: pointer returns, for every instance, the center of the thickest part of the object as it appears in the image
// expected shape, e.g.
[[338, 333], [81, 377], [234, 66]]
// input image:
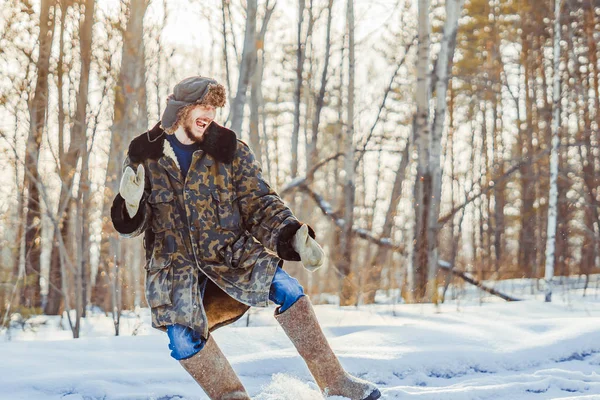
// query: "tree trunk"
[[422, 137], [444, 64], [348, 288], [55, 294], [378, 261], [130, 119], [225, 48], [256, 97], [84, 189], [313, 152], [255, 89], [297, 89], [499, 195], [247, 67], [527, 232], [31, 295], [553, 195]]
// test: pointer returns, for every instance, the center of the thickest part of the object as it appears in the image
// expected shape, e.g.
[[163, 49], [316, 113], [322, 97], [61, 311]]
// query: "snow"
[[476, 349]]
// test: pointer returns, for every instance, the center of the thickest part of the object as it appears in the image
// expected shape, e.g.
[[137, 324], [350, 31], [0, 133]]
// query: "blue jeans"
[[184, 342], [284, 290]]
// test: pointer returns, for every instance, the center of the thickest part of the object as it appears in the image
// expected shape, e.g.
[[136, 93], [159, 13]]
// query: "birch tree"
[[443, 65], [38, 108], [422, 136], [348, 288], [428, 185], [247, 68], [553, 195], [55, 294]]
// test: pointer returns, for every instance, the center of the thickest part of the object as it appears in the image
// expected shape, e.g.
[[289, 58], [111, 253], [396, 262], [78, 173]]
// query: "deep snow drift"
[[493, 350]]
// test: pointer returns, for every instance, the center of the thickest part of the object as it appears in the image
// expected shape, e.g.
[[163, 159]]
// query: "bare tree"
[[312, 149], [422, 136], [553, 195], [443, 65], [55, 294], [38, 108], [377, 263], [348, 290], [297, 87], [256, 95], [247, 68], [78, 150], [428, 185], [130, 118]]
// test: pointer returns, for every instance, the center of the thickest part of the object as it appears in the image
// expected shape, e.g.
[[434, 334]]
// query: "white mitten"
[[311, 254], [132, 188]]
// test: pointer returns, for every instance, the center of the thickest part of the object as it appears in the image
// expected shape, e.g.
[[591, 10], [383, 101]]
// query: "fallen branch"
[[339, 221], [387, 242], [447, 267]]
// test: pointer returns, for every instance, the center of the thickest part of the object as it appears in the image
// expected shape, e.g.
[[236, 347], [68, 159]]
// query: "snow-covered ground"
[[475, 349]]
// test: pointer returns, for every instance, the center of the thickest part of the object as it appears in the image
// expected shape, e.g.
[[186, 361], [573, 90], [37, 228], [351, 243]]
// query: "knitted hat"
[[192, 90]]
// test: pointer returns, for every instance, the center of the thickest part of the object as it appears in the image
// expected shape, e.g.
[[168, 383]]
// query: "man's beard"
[[188, 131]]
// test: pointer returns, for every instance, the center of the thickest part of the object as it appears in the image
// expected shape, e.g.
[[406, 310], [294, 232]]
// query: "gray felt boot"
[[214, 374], [300, 324]]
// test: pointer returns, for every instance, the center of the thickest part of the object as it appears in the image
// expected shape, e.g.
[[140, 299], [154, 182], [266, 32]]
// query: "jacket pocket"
[[228, 212], [162, 202], [244, 252], [159, 280]]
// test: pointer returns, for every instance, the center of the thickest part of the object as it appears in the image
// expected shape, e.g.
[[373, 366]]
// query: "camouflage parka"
[[222, 220]]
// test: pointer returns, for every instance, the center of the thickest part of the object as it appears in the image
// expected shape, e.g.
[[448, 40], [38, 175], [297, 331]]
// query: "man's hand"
[[132, 188], [311, 254]]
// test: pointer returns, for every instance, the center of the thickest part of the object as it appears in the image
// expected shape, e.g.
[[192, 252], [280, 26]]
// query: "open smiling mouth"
[[201, 124]]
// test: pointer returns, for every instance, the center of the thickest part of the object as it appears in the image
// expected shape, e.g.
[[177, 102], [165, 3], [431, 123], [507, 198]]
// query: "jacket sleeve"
[[263, 212], [123, 223]]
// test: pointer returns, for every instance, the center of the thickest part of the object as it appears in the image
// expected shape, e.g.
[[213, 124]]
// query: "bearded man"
[[216, 235]]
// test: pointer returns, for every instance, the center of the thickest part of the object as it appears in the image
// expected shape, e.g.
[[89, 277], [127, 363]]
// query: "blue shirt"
[[183, 152]]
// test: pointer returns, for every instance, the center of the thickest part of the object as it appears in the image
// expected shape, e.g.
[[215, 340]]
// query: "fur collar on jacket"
[[219, 142]]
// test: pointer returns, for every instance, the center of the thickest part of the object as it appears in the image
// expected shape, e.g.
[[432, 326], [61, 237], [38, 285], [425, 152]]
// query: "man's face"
[[197, 122]]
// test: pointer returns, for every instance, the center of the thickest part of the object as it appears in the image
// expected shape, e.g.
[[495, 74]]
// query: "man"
[[216, 235]]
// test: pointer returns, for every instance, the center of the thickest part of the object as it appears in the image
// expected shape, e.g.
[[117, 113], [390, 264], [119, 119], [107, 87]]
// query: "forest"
[[431, 144]]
